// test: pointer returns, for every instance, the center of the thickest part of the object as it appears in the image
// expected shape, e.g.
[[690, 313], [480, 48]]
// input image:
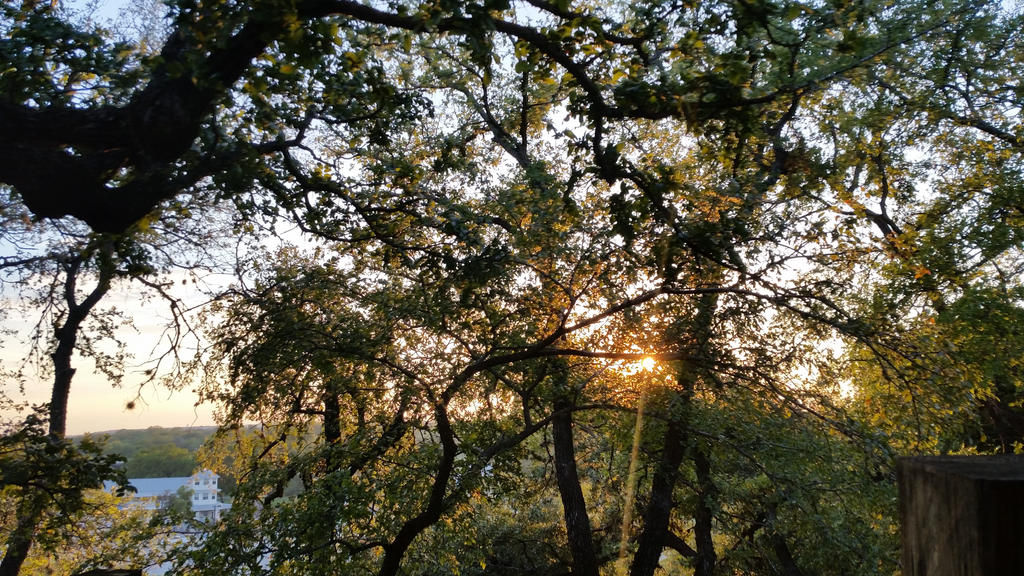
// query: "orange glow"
[[647, 364]]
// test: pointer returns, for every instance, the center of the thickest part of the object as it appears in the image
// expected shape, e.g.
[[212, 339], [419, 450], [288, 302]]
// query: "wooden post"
[[962, 515]]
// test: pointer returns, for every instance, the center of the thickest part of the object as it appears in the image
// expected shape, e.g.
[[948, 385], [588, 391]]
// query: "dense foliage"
[[469, 224], [157, 452]]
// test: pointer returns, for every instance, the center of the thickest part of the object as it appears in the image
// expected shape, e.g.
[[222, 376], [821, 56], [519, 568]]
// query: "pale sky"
[[95, 404]]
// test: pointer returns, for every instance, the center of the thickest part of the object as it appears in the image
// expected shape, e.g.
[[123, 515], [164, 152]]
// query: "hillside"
[[155, 451]]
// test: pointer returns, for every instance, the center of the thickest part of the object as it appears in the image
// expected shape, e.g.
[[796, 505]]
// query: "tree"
[[506, 197], [43, 483], [106, 533], [161, 461], [47, 457], [128, 443], [61, 273]]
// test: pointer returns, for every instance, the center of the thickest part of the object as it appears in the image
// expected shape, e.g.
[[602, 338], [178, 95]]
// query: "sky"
[[95, 404]]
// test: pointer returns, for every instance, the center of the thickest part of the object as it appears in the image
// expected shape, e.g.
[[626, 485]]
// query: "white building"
[[155, 493]]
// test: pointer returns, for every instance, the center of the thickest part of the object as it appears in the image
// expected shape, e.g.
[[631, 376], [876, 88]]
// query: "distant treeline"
[[157, 452]]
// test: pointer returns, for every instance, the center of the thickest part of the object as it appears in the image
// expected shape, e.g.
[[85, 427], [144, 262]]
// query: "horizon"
[[154, 427]]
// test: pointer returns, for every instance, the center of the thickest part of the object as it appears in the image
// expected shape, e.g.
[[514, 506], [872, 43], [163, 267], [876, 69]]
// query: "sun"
[[647, 363]]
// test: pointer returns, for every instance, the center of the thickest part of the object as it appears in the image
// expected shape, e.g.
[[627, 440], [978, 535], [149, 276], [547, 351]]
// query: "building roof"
[[151, 487]]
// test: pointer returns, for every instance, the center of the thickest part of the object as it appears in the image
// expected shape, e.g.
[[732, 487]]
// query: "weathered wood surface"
[[962, 515]]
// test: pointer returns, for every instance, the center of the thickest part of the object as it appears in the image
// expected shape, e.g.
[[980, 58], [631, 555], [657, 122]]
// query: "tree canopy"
[[806, 216]]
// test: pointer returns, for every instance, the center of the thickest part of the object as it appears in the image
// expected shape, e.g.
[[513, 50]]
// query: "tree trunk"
[[657, 517], [577, 521], [30, 512], [659, 506], [33, 502], [703, 515], [436, 504]]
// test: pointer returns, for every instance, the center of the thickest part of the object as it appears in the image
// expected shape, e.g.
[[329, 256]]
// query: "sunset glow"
[[647, 364]]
